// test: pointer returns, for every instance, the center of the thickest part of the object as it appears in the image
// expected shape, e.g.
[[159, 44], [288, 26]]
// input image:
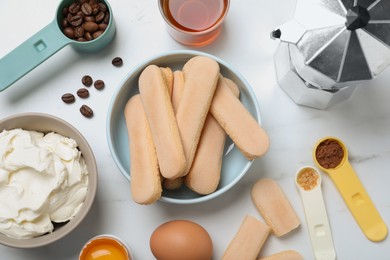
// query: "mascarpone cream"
[[43, 179]]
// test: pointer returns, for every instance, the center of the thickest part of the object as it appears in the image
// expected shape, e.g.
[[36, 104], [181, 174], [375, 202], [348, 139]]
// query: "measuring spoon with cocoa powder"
[[331, 156]]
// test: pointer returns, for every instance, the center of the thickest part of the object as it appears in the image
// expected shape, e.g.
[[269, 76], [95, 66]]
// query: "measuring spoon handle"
[[318, 224], [31, 53], [359, 202]]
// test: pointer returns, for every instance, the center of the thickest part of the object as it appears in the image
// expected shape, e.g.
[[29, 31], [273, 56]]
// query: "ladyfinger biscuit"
[[275, 208], [173, 184], [145, 175], [168, 76], [177, 91], [178, 88], [238, 123], [248, 241], [200, 81], [205, 172], [159, 112], [284, 255]]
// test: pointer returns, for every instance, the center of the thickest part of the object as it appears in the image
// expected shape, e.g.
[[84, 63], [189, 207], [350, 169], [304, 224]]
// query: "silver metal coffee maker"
[[329, 47]]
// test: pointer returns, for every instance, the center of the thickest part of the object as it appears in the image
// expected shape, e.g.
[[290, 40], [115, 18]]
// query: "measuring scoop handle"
[[318, 224], [31, 53], [359, 203]]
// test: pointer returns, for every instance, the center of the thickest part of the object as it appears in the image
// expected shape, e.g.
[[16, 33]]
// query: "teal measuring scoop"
[[44, 44]]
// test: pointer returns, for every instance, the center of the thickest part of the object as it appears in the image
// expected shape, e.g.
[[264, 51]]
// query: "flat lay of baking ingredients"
[[194, 130]]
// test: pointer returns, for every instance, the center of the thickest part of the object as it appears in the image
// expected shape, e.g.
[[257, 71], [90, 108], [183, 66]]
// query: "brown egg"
[[181, 240]]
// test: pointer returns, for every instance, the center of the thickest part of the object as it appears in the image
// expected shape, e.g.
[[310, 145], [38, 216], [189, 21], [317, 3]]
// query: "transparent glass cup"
[[194, 37]]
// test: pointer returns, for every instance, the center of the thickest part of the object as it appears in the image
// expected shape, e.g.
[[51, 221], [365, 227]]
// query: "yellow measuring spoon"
[[331, 156]]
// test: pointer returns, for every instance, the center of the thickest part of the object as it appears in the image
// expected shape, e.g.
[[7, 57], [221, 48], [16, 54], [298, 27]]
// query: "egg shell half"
[[181, 239]]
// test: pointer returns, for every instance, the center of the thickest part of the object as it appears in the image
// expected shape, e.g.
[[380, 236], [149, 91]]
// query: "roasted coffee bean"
[[95, 9], [91, 27], [86, 111], [102, 27], [117, 61], [99, 84], [68, 31], [68, 98], [97, 34], [99, 17], [69, 17], [83, 93], [65, 23], [90, 19], [86, 8], [87, 18], [86, 80], [65, 11], [79, 32], [102, 7], [88, 36], [74, 8], [76, 20], [81, 39], [107, 18]]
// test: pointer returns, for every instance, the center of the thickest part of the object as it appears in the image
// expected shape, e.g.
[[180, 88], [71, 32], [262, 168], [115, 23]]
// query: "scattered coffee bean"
[[92, 16], [86, 80], [83, 93], [86, 111], [99, 84], [68, 98], [117, 61]]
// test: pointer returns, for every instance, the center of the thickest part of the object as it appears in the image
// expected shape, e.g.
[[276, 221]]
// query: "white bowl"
[[46, 123], [234, 164]]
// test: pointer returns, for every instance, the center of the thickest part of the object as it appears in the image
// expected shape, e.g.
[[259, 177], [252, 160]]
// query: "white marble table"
[[363, 122]]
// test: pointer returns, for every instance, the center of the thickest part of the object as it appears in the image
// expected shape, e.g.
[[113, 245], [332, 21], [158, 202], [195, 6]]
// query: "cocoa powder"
[[329, 153]]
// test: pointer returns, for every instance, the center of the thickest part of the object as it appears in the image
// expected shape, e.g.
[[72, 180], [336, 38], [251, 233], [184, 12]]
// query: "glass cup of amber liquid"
[[194, 22]]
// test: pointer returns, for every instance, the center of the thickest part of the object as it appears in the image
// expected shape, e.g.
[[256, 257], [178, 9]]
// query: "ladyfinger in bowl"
[[200, 81], [159, 112], [205, 171], [145, 175]]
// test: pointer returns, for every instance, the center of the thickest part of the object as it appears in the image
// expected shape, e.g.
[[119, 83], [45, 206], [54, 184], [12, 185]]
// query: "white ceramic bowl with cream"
[[234, 165], [46, 124]]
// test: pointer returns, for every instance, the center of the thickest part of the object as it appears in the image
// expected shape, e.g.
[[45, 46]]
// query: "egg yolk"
[[104, 249]]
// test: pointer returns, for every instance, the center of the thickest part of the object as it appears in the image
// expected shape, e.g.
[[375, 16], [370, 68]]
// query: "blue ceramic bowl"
[[234, 164]]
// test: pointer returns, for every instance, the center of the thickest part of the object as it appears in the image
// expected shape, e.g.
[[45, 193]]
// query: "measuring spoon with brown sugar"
[[308, 180], [331, 156]]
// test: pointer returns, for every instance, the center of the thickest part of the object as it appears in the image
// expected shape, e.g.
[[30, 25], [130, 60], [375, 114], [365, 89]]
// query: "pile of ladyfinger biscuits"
[[280, 219], [177, 126]]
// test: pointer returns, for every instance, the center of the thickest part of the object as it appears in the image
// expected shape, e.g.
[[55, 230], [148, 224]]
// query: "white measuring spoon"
[[308, 181]]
